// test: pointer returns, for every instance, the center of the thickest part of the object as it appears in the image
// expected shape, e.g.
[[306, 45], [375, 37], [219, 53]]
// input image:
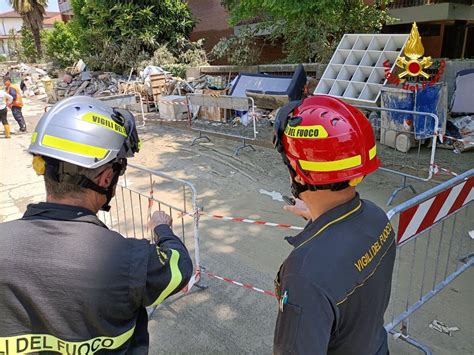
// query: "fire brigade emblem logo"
[[414, 50]]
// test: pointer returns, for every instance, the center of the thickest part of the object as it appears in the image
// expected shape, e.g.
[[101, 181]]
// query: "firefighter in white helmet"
[[69, 284]]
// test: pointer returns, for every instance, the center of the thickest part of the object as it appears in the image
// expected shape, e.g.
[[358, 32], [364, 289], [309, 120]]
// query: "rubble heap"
[[87, 83]]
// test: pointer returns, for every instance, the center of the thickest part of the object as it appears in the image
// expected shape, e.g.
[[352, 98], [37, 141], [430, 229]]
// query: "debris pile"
[[87, 83], [32, 79]]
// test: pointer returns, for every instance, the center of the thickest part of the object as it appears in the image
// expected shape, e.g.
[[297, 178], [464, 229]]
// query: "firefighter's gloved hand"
[[299, 209], [158, 218]]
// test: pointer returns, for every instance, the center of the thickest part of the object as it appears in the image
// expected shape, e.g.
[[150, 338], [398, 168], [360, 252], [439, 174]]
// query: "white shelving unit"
[[356, 72]]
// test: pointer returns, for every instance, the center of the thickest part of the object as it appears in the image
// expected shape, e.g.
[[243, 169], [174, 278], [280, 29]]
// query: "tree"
[[62, 45], [32, 12], [310, 29], [14, 45], [116, 35], [241, 49], [27, 51]]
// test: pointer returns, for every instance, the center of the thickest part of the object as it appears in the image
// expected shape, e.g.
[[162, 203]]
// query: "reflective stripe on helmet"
[[336, 165], [372, 152], [176, 278], [27, 343], [74, 147]]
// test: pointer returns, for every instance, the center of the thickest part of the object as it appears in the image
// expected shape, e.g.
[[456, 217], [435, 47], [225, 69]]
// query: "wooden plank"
[[268, 101], [222, 101]]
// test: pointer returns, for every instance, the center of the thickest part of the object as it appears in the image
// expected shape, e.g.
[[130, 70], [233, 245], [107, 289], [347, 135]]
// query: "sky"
[[5, 5]]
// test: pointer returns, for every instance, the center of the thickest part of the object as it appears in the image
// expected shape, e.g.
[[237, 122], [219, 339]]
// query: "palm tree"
[[32, 12]]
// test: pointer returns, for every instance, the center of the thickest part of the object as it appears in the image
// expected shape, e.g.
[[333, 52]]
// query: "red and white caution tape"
[[250, 221], [459, 139], [181, 103], [247, 286], [166, 120], [437, 169]]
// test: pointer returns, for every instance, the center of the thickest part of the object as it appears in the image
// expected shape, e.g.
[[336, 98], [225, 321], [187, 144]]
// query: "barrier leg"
[[397, 190], [199, 138], [244, 145], [413, 342], [201, 284]]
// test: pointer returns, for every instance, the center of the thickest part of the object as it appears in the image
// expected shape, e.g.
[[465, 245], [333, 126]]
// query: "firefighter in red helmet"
[[334, 287]]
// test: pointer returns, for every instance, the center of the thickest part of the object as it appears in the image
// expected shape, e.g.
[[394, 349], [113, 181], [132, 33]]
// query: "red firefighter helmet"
[[326, 141]]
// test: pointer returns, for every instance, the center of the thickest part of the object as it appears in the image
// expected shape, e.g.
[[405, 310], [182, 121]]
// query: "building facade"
[[12, 21], [446, 27], [213, 24]]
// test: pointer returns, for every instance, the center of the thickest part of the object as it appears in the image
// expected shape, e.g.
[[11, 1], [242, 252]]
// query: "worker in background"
[[17, 103], [68, 284], [5, 100], [334, 287]]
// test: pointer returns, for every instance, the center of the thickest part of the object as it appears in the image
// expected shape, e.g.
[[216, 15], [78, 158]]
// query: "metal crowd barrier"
[[396, 156], [434, 247], [226, 102], [142, 191]]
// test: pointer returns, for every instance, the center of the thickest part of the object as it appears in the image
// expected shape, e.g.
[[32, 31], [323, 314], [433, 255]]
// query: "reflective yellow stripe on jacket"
[[28, 343], [176, 278]]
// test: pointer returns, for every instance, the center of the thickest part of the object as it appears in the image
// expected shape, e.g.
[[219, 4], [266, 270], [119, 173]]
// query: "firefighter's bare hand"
[[158, 218], [299, 209]]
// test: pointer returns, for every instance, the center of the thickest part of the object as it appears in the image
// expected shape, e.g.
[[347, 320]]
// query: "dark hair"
[[7, 78]]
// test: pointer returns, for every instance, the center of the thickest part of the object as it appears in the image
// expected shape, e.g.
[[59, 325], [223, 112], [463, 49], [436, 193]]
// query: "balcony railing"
[[409, 3]]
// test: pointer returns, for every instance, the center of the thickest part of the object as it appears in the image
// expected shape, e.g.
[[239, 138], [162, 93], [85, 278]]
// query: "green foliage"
[[32, 13], [116, 35], [239, 49], [178, 69], [310, 29], [3, 58], [191, 55], [62, 45], [28, 51], [162, 56], [14, 45], [28, 45]]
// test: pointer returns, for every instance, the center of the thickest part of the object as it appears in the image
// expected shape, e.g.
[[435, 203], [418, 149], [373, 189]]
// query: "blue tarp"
[[428, 99]]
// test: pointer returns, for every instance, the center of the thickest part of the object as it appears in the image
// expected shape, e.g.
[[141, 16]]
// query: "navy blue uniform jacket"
[[335, 285]]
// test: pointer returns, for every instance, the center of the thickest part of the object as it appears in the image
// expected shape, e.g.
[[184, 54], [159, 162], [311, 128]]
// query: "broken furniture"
[[158, 87], [270, 91], [244, 104]]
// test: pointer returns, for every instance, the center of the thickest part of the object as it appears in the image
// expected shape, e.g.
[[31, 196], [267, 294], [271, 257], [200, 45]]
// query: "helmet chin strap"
[[297, 188], [110, 191], [55, 171]]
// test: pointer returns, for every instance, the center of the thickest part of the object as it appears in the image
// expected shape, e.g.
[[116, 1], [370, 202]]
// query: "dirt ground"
[[226, 318]]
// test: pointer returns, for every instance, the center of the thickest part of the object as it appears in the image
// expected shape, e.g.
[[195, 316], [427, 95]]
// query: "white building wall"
[[8, 23]]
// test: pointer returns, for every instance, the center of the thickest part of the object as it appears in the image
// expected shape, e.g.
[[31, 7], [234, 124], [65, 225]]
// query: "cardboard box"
[[213, 113], [173, 107]]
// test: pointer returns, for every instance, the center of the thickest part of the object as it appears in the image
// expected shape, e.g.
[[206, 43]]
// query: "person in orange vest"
[[17, 103]]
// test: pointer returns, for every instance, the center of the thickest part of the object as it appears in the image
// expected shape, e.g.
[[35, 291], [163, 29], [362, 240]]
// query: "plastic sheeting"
[[463, 102], [270, 84]]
